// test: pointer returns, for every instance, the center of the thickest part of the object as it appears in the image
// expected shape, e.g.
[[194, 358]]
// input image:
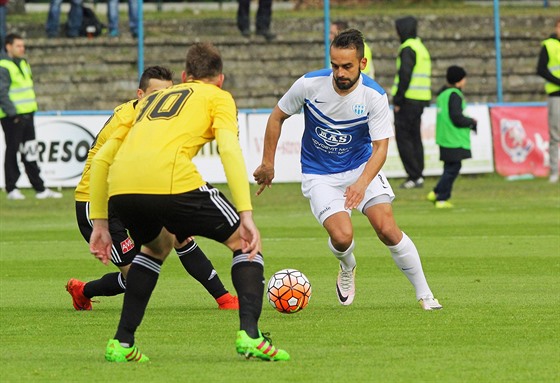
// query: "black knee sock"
[[248, 280], [200, 268], [140, 282], [106, 286]]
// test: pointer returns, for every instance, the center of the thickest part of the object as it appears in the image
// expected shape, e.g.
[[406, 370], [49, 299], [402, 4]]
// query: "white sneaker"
[[48, 193], [553, 178], [429, 303], [15, 195], [345, 288]]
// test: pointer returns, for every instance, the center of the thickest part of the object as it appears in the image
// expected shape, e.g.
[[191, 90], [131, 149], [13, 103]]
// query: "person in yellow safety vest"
[[340, 25], [411, 93], [548, 67], [17, 106]]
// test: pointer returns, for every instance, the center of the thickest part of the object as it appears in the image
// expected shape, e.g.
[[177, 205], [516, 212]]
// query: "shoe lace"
[[266, 336], [346, 279]]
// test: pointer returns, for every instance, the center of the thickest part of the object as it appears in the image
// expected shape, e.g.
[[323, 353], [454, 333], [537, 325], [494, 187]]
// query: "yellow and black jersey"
[[155, 155], [123, 115]]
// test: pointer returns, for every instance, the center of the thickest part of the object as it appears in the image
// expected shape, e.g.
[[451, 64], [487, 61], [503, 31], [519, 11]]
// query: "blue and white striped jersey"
[[338, 129]]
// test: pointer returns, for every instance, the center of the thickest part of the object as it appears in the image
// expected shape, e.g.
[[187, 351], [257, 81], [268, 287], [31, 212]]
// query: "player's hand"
[[263, 175], [354, 195], [100, 242], [474, 126], [250, 236]]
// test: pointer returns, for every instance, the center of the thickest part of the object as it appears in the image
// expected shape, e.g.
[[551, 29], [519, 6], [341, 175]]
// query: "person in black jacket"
[[411, 93], [452, 134], [548, 67]]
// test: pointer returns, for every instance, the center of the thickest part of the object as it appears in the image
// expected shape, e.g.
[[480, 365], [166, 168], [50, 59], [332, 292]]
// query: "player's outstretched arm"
[[100, 242], [264, 174]]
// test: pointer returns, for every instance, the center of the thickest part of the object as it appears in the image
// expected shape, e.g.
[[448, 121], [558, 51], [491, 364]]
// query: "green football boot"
[[261, 347], [117, 353]]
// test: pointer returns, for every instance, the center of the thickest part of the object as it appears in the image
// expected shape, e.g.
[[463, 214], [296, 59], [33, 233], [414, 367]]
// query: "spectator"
[[17, 106], [452, 134], [548, 67], [75, 18], [340, 25], [264, 15], [411, 93], [113, 17], [3, 26]]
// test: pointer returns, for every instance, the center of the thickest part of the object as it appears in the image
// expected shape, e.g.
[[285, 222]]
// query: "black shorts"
[[203, 212], [124, 248]]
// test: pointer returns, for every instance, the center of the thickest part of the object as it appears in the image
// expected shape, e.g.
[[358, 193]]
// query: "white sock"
[[346, 258], [407, 259]]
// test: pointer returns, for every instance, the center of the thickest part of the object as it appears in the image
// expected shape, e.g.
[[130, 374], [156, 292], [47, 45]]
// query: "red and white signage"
[[521, 141]]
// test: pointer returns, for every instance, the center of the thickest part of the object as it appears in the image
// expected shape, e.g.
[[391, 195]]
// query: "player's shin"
[[141, 281], [248, 280], [200, 268], [407, 259]]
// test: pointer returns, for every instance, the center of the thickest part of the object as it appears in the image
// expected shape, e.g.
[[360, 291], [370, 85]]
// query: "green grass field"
[[493, 262]]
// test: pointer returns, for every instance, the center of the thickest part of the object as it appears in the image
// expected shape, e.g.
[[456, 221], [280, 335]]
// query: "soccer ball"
[[288, 291]]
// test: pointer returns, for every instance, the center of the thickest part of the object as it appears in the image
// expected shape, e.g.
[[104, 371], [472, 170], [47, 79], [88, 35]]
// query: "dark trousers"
[[20, 138], [409, 141], [445, 184], [263, 15]]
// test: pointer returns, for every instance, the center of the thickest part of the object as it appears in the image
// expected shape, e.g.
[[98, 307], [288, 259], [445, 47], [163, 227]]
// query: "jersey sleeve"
[[100, 164], [227, 137], [294, 98], [380, 126]]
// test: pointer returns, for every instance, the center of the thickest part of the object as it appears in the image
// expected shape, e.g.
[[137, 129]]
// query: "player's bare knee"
[[342, 241], [389, 234]]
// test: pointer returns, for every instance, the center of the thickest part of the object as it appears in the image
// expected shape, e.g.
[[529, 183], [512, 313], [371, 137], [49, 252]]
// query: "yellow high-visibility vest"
[[21, 91], [420, 83], [553, 48]]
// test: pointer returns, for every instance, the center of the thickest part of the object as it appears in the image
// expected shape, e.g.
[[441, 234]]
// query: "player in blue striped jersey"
[[344, 146]]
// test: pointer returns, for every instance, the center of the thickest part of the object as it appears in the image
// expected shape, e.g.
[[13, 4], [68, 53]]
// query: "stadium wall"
[[512, 138], [101, 73]]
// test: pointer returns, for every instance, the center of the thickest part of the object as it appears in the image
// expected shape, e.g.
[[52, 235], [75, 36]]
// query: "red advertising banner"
[[520, 136]]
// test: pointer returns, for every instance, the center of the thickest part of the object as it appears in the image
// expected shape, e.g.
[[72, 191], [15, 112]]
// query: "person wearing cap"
[[548, 67], [452, 134]]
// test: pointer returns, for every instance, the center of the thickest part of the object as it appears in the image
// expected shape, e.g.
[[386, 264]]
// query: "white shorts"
[[326, 192]]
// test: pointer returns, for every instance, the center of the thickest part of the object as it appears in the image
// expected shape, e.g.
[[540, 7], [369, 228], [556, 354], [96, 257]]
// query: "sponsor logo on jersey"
[[127, 245], [359, 109], [332, 137]]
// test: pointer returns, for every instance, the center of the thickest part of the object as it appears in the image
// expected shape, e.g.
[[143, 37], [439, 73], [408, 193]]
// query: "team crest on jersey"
[[332, 137], [359, 109]]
